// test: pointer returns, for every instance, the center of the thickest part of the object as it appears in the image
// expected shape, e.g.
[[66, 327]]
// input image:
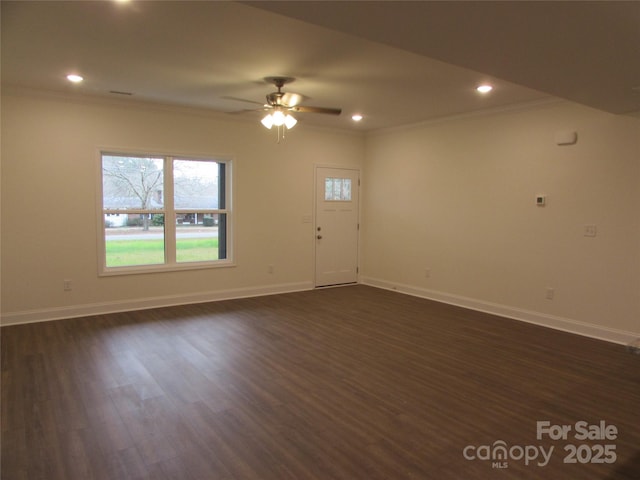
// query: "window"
[[163, 212], [337, 189]]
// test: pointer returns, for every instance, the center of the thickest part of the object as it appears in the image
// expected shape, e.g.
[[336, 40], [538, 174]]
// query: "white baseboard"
[[542, 319], [558, 323], [74, 311]]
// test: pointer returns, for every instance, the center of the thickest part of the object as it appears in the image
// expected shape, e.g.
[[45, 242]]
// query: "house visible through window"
[[164, 212]]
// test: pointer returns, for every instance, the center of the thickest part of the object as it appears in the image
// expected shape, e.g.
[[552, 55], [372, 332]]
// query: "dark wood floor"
[[344, 383]]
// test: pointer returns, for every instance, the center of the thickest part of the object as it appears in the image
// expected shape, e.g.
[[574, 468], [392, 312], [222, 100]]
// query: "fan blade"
[[330, 111], [242, 100], [247, 110]]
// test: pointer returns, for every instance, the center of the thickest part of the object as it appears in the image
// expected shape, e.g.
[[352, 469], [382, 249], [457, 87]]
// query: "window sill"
[[145, 269]]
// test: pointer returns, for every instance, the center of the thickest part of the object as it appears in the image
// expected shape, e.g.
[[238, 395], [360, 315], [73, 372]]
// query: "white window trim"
[[170, 228]]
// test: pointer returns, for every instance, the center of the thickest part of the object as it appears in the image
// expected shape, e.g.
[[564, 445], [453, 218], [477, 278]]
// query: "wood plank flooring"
[[342, 383]]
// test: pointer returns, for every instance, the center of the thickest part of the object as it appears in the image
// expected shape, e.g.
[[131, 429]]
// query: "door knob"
[[318, 237]]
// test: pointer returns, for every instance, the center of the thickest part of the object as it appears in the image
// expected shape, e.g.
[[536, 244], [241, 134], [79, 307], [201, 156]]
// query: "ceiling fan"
[[291, 101], [281, 104]]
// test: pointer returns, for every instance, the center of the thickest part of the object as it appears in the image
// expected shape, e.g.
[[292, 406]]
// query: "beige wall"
[[49, 169], [457, 198]]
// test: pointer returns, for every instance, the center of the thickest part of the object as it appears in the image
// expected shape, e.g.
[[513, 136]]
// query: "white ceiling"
[[395, 62]]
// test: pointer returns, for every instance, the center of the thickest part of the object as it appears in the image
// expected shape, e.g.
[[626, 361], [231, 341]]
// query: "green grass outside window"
[[127, 253]]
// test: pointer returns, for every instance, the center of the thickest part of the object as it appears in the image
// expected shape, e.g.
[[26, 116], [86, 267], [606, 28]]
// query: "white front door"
[[336, 227]]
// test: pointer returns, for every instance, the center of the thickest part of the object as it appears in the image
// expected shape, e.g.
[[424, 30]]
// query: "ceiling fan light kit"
[[279, 118]]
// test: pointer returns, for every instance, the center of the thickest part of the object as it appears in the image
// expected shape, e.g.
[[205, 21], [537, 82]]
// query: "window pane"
[[129, 245], [328, 188], [132, 182], [197, 237], [196, 184], [337, 189], [337, 184]]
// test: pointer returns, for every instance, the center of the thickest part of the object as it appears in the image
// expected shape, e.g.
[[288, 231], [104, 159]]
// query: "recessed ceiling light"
[[356, 117], [74, 78], [484, 88]]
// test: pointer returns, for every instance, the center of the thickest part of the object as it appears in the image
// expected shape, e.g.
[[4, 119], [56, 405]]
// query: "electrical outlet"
[[550, 293], [590, 230], [270, 269], [66, 285], [427, 273]]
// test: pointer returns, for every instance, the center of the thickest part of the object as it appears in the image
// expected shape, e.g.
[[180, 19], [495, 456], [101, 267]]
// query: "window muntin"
[[139, 192]]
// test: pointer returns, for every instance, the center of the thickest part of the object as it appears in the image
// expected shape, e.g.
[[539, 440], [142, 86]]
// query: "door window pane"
[[337, 189]]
